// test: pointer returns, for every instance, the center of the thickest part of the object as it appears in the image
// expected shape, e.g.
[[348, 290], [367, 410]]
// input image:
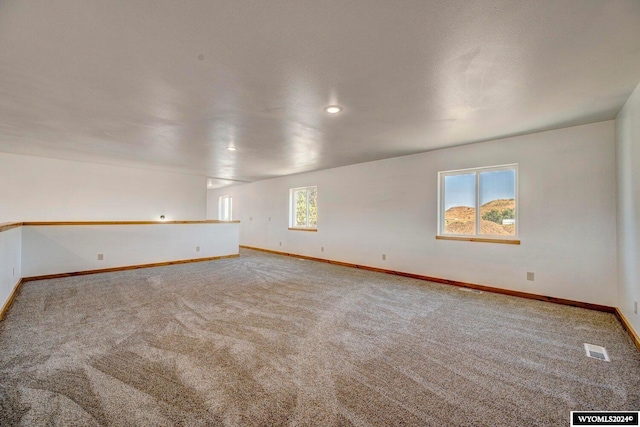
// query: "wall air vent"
[[596, 352]]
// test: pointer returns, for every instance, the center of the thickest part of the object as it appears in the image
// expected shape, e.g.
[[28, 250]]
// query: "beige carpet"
[[270, 340]]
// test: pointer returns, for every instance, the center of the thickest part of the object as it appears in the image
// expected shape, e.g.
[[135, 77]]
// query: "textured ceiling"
[[170, 84]]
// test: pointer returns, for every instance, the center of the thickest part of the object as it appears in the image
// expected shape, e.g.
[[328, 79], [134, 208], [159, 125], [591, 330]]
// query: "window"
[[479, 202], [224, 208], [303, 208]]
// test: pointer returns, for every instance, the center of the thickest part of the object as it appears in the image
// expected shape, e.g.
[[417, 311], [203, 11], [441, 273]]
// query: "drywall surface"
[[10, 262], [567, 211], [42, 189], [64, 249], [628, 158]]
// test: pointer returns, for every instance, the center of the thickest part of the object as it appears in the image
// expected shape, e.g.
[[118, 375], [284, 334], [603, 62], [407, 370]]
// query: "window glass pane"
[[223, 214], [227, 208], [459, 204], [313, 207], [300, 199], [498, 203]]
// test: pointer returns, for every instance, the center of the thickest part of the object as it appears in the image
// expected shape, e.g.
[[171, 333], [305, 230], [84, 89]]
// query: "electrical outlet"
[[269, 218], [384, 257], [250, 218], [14, 273], [100, 257], [530, 276], [280, 243], [197, 248], [321, 248], [635, 307]]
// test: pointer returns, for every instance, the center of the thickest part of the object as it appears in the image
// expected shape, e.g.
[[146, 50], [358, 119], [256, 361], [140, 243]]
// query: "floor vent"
[[473, 291], [596, 352]]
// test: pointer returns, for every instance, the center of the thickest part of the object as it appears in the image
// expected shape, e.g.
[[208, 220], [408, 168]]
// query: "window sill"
[[480, 239], [303, 229]]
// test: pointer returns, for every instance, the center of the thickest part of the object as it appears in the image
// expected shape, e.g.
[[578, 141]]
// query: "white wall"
[[65, 249], [567, 214], [10, 262], [43, 189], [628, 157]]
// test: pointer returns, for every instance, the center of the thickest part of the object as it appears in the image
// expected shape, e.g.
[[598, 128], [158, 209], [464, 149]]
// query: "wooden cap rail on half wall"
[[9, 225], [42, 223], [5, 226]]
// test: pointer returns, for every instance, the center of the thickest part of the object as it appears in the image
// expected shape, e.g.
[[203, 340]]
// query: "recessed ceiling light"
[[231, 148], [333, 109]]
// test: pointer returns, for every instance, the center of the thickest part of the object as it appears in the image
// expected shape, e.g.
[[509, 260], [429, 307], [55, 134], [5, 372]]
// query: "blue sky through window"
[[460, 190], [497, 185]]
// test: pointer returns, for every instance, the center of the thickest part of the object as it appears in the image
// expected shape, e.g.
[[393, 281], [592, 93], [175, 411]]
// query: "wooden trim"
[[9, 225], [344, 264], [7, 304], [377, 270], [46, 223], [264, 250], [615, 310], [128, 267], [627, 326], [485, 288], [480, 239], [313, 230]]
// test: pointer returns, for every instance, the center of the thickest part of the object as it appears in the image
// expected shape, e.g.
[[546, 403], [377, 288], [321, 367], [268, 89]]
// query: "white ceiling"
[[170, 84]]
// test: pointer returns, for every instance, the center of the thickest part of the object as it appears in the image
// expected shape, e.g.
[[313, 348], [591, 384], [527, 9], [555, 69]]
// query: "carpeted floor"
[[270, 340]]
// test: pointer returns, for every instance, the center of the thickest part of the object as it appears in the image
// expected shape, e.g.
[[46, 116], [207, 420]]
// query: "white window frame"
[[477, 171], [292, 209], [221, 200]]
